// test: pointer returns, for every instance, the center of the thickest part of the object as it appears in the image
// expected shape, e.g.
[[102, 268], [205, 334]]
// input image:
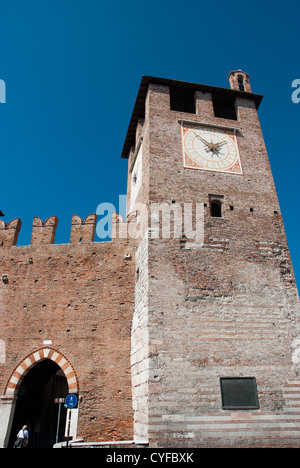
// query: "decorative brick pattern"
[[35, 357]]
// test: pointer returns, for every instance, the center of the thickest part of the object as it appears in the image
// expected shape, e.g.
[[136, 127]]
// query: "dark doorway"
[[35, 405]]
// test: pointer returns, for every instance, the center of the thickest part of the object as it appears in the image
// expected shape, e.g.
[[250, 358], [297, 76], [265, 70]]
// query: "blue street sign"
[[71, 400]]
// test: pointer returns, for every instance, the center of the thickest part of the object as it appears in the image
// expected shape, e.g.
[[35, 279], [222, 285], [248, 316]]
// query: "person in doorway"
[[22, 438]]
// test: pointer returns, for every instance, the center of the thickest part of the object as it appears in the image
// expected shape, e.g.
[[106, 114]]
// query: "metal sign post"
[[71, 401], [60, 401]]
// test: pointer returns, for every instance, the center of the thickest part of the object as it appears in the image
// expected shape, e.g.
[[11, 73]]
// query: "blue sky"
[[72, 71]]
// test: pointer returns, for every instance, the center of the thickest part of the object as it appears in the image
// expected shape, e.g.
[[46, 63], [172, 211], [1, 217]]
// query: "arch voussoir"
[[33, 358]]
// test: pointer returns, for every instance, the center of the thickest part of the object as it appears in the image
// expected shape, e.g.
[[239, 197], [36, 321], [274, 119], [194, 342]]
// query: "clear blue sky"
[[72, 71]]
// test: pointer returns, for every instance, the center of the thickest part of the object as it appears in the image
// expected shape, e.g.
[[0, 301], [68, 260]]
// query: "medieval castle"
[[188, 339]]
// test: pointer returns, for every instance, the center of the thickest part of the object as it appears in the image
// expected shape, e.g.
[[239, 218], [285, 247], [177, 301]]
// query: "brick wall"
[[229, 308], [78, 297], [148, 334]]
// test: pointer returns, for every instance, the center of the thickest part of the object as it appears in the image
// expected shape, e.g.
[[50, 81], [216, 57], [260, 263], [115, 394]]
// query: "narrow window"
[[216, 208], [241, 82], [239, 393]]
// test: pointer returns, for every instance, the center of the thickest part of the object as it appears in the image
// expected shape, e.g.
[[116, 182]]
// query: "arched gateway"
[[51, 364]]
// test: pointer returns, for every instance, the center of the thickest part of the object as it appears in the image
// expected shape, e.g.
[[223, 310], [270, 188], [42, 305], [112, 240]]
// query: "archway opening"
[[36, 405]]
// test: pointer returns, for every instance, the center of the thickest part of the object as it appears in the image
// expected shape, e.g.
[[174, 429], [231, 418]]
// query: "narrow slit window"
[[241, 83]]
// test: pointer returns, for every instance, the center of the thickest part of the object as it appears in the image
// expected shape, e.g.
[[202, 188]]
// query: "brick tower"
[[215, 339], [183, 329]]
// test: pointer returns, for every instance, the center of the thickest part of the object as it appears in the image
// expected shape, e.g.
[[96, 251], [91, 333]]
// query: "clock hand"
[[221, 143], [202, 139], [211, 146]]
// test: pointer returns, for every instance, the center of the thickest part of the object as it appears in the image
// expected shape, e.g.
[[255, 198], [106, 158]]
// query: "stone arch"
[[39, 355]]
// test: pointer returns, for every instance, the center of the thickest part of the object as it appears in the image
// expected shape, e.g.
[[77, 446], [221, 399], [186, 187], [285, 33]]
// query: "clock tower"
[[215, 332]]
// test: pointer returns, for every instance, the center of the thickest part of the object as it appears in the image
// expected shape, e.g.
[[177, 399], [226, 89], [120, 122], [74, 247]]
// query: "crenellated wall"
[[43, 232], [9, 232], [76, 298]]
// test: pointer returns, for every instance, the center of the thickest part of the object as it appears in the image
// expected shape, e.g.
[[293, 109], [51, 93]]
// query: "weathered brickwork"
[[144, 327], [78, 297], [227, 309], [140, 344]]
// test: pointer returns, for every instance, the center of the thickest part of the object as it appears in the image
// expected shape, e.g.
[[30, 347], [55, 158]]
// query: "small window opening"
[[182, 100], [134, 179], [251, 210], [216, 209], [224, 106], [231, 208], [241, 83]]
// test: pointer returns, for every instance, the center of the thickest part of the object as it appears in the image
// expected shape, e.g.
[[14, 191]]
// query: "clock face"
[[211, 149]]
